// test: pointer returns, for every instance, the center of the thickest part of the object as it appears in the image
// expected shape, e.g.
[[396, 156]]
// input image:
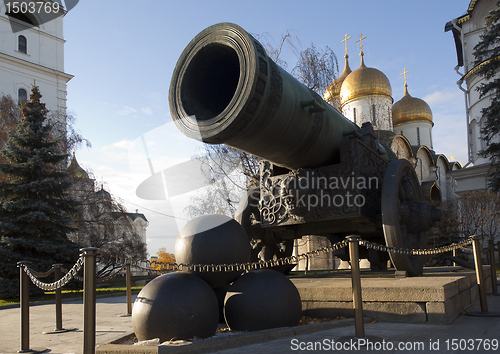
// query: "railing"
[[88, 256]]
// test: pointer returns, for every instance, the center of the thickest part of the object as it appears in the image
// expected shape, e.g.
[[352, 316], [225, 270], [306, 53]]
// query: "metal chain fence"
[[416, 252], [43, 275], [155, 267], [57, 284]]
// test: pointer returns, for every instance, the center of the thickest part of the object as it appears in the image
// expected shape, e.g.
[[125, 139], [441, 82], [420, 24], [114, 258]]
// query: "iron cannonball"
[[175, 305], [220, 294], [262, 299], [213, 239]]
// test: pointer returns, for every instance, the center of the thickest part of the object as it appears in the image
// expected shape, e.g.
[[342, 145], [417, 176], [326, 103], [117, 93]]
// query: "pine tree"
[[34, 207], [487, 58]]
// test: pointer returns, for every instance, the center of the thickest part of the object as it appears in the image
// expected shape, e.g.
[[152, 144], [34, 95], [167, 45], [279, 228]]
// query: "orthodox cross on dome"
[[346, 37], [360, 40], [404, 73]]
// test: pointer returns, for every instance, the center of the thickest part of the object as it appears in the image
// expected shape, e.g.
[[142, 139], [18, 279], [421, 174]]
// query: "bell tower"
[[32, 51]]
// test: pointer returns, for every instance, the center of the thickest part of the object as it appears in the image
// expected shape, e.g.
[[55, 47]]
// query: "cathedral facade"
[[365, 95]]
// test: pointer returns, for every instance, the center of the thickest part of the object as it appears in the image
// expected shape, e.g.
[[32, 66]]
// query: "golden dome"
[[333, 90], [410, 109], [364, 81], [75, 170]]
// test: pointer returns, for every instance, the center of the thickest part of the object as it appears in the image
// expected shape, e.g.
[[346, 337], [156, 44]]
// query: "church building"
[[96, 204], [32, 52], [365, 95]]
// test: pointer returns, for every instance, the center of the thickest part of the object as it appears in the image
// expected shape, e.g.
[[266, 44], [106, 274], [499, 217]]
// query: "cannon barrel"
[[225, 89]]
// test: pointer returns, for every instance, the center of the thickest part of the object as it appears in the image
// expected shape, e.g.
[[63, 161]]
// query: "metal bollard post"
[[24, 299], [89, 282], [356, 285], [493, 268], [129, 288], [57, 275], [59, 328], [479, 272], [498, 251]]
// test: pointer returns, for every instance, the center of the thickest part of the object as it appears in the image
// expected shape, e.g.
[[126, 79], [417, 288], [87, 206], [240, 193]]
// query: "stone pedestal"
[[437, 297]]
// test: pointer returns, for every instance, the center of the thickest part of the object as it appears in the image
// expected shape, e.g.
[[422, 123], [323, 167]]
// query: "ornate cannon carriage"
[[321, 174]]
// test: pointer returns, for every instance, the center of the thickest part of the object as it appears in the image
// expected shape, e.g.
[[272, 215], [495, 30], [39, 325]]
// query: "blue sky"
[[122, 54]]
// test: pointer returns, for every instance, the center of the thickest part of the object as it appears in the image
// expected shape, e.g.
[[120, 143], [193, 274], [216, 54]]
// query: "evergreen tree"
[[487, 58], [34, 207]]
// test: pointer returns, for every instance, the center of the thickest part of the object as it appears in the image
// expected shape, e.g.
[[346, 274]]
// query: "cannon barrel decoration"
[[320, 173]]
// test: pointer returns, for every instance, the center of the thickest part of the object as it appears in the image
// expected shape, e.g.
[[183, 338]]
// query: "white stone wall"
[[401, 148], [364, 111], [140, 226], [409, 130], [472, 29], [442, 174], [43, 63], [425, 170]]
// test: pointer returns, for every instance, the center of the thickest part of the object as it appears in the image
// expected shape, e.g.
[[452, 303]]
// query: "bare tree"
[[473, 213], [103, 222], [10, 116], [316, 68], [63, 126], [231, 172], [446, 231], [479, 214]]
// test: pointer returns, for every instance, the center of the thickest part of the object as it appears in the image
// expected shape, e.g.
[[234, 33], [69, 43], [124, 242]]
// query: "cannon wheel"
[[265, 246], [401, 185]]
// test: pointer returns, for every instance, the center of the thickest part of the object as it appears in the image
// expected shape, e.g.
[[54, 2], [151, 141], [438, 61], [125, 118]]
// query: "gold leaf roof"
[[75, 170], [333, 90], [410, 109], [364, 81]]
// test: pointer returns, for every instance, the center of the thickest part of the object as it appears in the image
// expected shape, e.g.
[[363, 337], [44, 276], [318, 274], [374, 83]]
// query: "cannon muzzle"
[[225, 89]]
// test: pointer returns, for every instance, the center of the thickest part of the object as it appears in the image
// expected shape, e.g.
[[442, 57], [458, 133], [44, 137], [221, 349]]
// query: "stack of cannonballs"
[[184, 305]]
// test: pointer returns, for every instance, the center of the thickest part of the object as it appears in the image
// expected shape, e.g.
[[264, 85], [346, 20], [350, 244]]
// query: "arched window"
[[22, 95], [22, 44], [354, 115], [418, 136], [374, 117]]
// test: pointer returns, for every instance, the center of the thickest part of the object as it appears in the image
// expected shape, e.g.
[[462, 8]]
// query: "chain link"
[[416, 252], [43, 275], [161, 267], [58, 283]]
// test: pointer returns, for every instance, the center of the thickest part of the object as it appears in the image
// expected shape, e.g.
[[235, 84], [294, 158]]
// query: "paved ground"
[[465, 331], [109, 325]]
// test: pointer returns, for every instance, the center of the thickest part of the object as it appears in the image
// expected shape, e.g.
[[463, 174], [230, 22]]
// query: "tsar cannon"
[[320, 173]]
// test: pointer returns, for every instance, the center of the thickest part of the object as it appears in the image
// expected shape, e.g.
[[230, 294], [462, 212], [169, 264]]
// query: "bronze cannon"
[[320, 174]]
